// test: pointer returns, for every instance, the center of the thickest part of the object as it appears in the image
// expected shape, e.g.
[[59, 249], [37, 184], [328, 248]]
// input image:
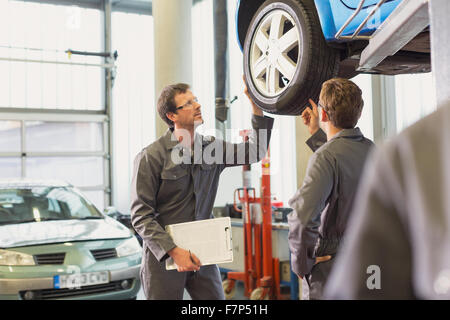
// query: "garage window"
[[10, 135], [43, 32], [11, 167], [71, 151], [71, 136], [134, 106]]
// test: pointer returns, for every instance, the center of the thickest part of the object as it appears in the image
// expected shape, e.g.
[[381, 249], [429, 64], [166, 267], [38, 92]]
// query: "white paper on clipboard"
[[210, 240]]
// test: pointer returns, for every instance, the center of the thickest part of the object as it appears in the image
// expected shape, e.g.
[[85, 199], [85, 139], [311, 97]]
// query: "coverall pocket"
[[174, 173], [174, 183]]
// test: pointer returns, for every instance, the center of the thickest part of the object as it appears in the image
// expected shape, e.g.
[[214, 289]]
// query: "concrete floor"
[[238, 296]]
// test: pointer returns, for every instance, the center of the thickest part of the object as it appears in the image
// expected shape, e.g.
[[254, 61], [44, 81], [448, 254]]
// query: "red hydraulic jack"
[[261, 275]]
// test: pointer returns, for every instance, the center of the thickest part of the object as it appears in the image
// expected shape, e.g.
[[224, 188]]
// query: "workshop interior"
[[90, 193]]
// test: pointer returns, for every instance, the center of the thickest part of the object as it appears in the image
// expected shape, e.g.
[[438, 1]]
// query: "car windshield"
[[36, 204]]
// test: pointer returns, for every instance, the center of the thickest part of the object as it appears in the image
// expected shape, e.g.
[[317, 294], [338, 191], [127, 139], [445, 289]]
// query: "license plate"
[[77, 280]]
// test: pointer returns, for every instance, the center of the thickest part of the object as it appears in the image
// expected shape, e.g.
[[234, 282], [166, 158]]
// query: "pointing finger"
[[314, 106]]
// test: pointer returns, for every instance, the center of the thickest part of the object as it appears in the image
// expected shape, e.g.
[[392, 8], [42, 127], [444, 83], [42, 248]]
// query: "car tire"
[[286, 58]]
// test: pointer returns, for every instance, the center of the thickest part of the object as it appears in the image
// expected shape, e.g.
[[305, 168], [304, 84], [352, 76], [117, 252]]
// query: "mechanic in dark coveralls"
[[324, 201], [167, 191]]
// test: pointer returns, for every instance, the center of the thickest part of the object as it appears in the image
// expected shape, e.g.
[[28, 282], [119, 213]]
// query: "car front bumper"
[[43, 287]]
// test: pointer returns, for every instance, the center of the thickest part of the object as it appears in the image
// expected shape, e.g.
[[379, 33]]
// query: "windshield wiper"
[[89, 218], [49, 219], [30, 220]]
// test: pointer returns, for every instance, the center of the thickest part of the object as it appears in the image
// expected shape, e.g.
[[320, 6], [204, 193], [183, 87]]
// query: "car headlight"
[[14, 258], [129, 247]]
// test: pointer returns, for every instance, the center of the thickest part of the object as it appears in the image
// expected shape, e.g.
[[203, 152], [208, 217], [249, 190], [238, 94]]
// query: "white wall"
[[203, 63], [133, 98], [415, 98], [365, 123]]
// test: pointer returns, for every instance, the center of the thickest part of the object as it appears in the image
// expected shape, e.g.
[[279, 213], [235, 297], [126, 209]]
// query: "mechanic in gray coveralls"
[[165, 191], [324, 201]]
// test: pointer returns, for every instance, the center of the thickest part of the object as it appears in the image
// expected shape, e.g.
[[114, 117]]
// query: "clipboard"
[[210, 240]]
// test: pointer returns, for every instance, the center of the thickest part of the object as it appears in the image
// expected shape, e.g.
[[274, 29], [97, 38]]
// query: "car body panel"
[[33, 233], [353, 4], [77, 255], [332, 15], [78, 259]]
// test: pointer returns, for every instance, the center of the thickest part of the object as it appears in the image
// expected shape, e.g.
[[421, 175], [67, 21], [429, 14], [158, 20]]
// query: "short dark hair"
[[166, 100], [343, 102]]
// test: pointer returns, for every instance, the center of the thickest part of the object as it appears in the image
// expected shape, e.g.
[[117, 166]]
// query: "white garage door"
[[53, 123]]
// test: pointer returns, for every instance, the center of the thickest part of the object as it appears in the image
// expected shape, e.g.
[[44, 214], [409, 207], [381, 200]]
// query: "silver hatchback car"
[[55, 244]]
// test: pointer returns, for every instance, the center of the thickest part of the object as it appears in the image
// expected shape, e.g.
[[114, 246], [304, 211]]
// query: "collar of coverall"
[[348, 133], [171, 142]]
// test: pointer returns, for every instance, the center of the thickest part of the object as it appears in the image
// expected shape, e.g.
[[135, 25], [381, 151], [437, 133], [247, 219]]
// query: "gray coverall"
[[323, 203], [165, 192], [400, 227]]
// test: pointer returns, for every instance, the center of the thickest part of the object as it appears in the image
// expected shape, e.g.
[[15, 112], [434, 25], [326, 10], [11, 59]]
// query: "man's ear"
[[323, 115], [171, 116]]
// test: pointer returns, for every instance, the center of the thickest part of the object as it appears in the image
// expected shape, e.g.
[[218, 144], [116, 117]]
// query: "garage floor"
[[238, 296], [239, 292]]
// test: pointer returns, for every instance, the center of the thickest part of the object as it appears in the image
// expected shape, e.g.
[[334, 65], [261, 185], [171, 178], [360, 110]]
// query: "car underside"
[[413, 58]]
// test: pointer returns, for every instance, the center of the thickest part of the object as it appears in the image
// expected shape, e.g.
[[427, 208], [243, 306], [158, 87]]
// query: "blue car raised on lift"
[[291, 47]]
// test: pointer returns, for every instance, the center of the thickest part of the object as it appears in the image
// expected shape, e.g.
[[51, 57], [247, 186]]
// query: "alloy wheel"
[[274, 53]]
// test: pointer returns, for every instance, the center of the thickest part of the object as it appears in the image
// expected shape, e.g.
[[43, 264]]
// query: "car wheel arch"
[[245, 13]]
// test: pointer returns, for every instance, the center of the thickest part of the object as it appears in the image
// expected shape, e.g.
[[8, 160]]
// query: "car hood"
[[46, 232]]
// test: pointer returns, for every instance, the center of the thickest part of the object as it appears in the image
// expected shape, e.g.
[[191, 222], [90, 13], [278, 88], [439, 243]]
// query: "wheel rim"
[[274, 53]]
